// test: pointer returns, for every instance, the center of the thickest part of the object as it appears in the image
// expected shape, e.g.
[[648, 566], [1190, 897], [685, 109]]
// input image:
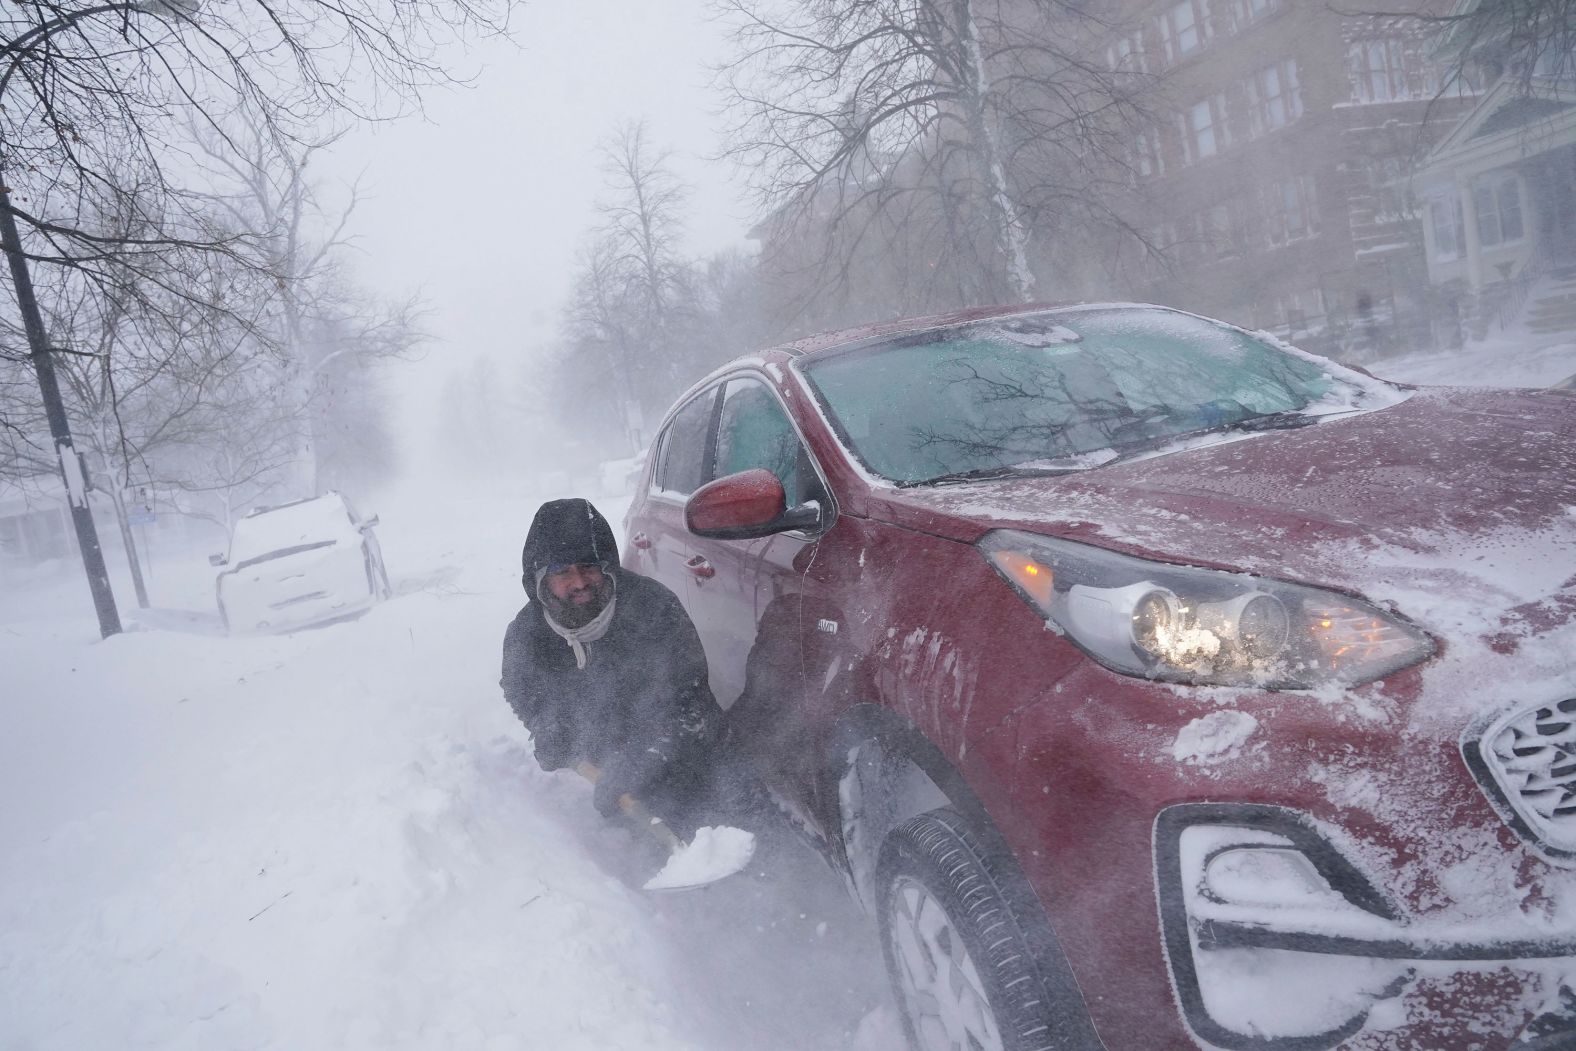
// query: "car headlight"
[[1202, 626]]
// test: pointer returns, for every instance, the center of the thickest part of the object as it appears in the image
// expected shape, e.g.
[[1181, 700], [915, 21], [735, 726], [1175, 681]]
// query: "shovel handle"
[[636, 811]]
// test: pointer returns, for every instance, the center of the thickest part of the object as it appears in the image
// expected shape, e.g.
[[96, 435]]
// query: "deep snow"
[[338, 839]]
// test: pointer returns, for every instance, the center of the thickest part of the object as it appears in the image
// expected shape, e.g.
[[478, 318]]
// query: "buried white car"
[[300, 564]]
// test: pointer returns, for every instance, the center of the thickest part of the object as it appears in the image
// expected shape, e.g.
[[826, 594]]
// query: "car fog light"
[[1250, 898], [1264, 875]]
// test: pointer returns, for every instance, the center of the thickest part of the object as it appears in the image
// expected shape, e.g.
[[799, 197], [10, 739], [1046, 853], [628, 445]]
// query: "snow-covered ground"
[[338, 838], [1515, 358]]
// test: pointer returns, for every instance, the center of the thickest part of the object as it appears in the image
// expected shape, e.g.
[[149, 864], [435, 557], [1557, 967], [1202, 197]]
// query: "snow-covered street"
[[338, 839]]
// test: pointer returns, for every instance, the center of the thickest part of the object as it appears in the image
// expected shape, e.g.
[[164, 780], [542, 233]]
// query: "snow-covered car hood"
[[1452, 483], [1456, 508]]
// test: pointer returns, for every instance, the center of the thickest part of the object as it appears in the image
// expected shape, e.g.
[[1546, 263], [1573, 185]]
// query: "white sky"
[[481, 205]]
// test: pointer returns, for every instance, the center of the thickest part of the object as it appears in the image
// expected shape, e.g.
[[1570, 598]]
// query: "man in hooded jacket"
[[603, 666]]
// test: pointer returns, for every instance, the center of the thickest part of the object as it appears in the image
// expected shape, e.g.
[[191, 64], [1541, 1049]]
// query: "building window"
[[1189, 246], [1290, 210], [1252, 10], [1204, 131], [1301, 311], [1182, 30], [1126, 55], [1274, 97], [1390, 179], [1163, 246], [1498, 203], [1384, 70], [1445, 220], [1146, 154], [1218, 232]]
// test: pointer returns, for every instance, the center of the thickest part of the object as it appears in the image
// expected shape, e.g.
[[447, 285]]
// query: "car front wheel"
[[960, 962]]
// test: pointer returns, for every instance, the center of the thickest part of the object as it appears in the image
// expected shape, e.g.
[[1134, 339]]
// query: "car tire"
[[960, 959]]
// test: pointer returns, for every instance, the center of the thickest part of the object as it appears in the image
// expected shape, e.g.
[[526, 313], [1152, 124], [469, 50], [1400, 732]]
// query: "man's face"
[[575, 586]]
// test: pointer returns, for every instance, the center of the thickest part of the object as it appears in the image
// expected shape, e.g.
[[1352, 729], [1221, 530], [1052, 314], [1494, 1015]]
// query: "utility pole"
[[71, 470]]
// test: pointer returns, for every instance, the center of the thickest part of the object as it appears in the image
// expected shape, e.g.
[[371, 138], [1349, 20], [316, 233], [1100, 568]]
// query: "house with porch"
[[1500, 195]]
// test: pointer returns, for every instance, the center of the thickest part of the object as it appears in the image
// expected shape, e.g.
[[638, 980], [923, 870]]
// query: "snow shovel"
[[714, 853]]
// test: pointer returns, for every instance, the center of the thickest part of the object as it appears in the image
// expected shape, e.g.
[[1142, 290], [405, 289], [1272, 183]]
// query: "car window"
[[754, 431], [684, 448], [658, 446], [1049, 389]]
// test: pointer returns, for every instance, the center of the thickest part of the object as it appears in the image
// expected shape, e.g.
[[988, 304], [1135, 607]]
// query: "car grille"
[[1527, 761]]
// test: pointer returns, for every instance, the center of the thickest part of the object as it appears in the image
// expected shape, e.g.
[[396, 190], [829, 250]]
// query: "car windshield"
[[1061, 392], [307, 522]]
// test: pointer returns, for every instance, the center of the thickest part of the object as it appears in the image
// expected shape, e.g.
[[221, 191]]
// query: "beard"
[[571, 614]]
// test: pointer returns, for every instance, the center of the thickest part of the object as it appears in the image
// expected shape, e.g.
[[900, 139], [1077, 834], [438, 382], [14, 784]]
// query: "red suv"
[[1156, 684]]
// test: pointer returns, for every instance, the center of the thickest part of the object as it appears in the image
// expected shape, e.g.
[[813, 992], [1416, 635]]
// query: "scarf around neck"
[[579, 638]]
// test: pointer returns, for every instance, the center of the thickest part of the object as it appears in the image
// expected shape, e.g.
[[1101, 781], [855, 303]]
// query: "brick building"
[[1272, 187]]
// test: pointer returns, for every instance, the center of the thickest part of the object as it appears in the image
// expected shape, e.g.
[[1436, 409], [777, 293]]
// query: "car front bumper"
[[1290, 909]]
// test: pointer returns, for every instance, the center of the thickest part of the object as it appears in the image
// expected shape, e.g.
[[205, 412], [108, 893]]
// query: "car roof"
[[809, 347], [821, 341]]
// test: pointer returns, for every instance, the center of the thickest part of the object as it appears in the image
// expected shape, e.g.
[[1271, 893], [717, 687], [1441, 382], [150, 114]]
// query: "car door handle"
[[700, 567], [641, 540]]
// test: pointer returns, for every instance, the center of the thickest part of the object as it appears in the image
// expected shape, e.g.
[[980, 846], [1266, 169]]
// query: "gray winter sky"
[[481, 204]]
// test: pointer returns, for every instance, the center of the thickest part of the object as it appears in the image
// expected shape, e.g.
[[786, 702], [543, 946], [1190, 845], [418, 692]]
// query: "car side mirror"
[[368, 522], [745, 506], [218, 560]]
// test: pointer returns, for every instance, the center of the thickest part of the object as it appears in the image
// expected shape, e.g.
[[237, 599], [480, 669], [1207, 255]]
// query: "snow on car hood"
[[1450, 480], [1456, 507]]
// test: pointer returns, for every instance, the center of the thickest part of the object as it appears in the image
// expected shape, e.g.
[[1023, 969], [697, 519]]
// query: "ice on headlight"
[[1184, 624]]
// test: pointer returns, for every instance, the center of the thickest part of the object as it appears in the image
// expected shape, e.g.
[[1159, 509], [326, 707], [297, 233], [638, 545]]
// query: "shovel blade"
[[715, 853]]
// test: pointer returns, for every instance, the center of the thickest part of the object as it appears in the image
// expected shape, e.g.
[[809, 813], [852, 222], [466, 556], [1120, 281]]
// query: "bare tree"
[[634, 299], [351, 339], [642, 221], [328, 333], [602, 349], [975, 122], [97, 95]]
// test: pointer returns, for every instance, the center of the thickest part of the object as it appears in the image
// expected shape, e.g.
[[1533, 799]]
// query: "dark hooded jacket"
[[641, 708]]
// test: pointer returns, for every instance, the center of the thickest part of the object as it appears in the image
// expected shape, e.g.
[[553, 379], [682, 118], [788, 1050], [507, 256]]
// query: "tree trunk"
[[1011, 237], [133, 559]]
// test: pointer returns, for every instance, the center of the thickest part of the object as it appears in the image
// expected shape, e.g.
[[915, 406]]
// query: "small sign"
[[140, 517]]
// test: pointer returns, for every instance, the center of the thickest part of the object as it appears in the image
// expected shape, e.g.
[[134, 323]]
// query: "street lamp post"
[[39, 350]]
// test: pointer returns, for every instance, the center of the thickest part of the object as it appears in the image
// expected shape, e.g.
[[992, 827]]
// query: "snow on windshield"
[[307, 522], [1067, 390]]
